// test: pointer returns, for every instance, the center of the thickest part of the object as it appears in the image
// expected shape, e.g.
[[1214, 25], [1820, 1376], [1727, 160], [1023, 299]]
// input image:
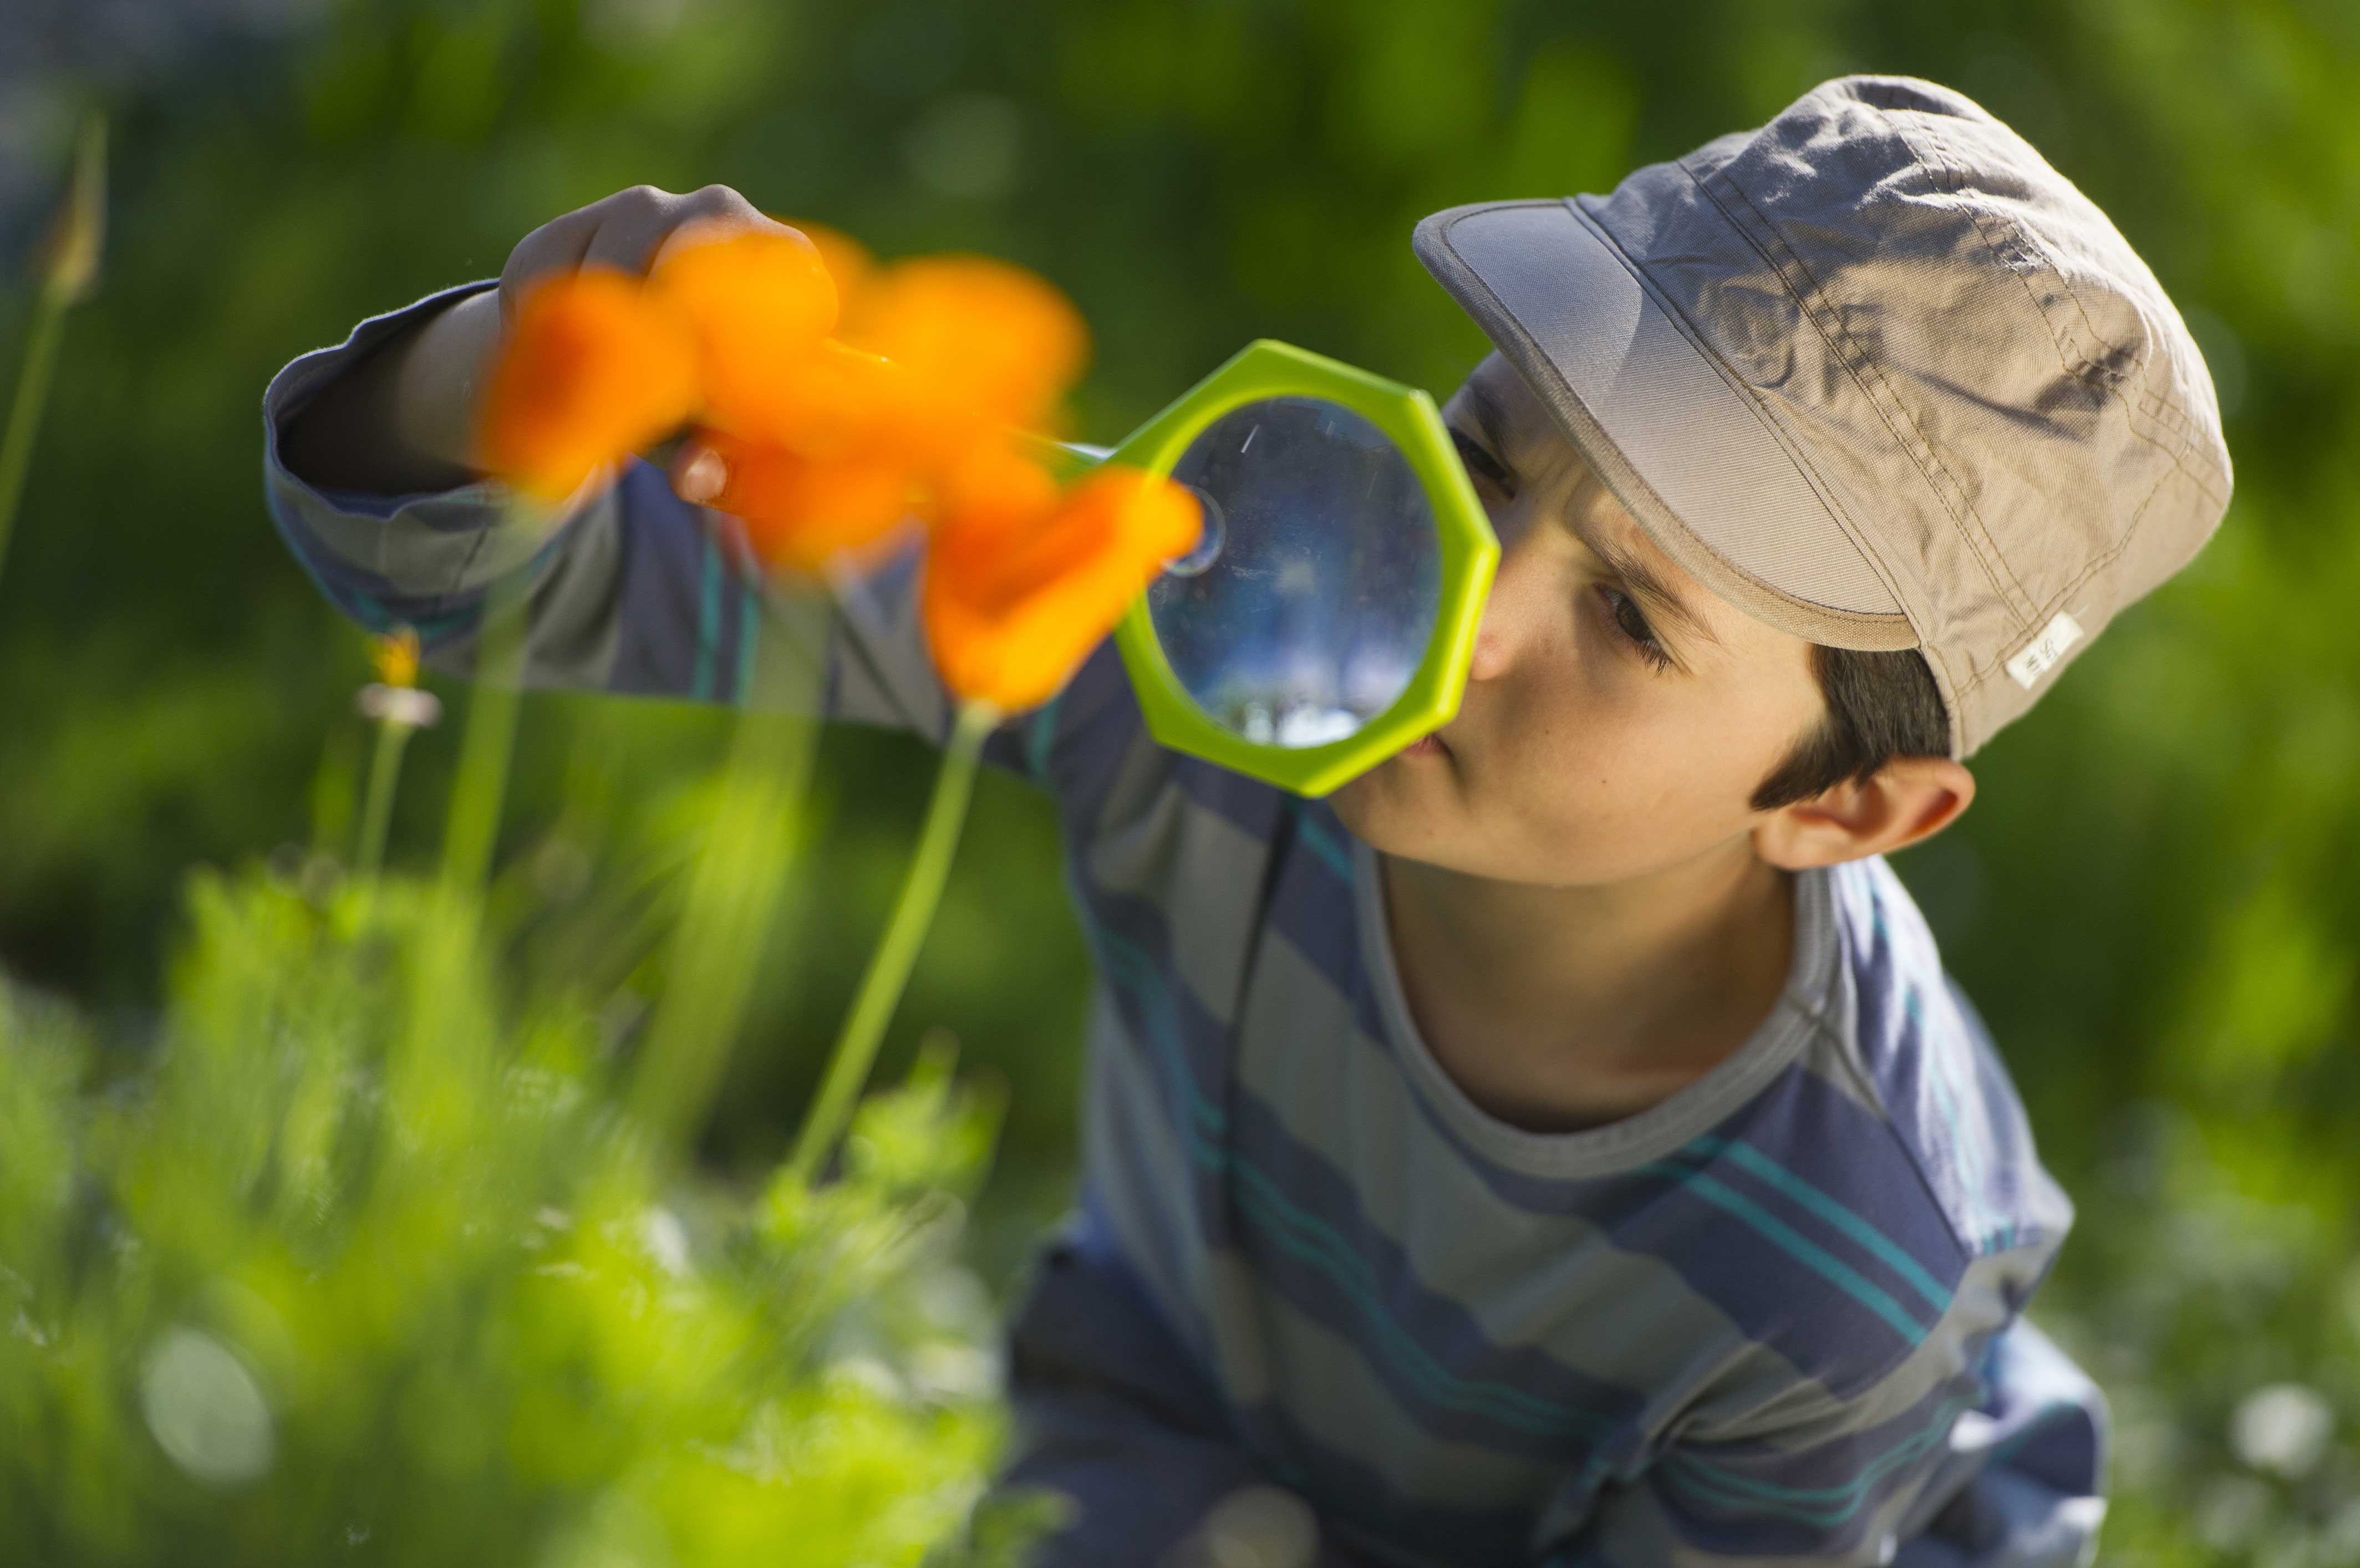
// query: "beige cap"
[[1875, 373]]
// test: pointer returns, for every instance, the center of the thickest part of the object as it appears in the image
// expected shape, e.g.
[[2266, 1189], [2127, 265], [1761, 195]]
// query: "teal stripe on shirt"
[[1322, 844], [750, 633], [1797, 1246], [1827, 1507], [1843, 1219]]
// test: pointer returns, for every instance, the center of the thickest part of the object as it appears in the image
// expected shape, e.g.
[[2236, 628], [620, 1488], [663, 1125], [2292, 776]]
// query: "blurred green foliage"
[[2153, 901], [369, 1267]]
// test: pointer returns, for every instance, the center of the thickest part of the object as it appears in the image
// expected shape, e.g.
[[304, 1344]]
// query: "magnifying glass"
[[1327, 616]]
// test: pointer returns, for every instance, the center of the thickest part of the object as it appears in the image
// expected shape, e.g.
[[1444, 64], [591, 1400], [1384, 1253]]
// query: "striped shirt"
[[1774, 1319]]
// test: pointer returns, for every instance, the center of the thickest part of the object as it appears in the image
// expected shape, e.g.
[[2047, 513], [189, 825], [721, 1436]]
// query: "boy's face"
[[1618, 715]]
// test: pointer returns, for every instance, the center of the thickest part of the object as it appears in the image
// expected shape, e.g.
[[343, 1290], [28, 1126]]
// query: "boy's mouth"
[[1426, 746]]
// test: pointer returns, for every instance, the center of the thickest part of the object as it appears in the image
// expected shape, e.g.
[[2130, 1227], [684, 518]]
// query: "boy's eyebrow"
[[1661, 600], [1645, 583]]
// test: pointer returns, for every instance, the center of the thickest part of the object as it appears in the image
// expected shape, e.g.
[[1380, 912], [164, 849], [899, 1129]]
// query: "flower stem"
[[32, 397], [734, 890], [485, 751], [377, 807], [888, 967]]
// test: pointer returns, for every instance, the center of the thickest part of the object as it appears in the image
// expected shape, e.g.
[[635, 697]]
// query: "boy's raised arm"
[[401, 419], [399, 423], [639, 591], [367, 475]]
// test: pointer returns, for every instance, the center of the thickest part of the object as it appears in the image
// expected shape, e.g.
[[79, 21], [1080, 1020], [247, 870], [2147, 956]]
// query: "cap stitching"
[[1861, 369], [1986, 545], [2192, 439], [2107, 385], [2057, 600], [2130, 534], [2084, 367], [2091, 375], [1498, 324], [2182, 423], [1815, 305], [1822, 488], [2021, 242], [2168, 414]]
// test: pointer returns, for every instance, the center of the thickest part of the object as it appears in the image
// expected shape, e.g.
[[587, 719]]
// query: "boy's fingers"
[[715, 213], [699, 473], [626, 237], [557, 245], [639, 221], [626, 231]]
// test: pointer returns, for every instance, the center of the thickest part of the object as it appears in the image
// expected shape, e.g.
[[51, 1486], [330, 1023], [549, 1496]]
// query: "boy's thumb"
[[699, 473]]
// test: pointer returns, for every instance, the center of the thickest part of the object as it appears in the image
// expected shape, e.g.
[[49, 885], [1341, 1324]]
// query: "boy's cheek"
[[1572, 816]]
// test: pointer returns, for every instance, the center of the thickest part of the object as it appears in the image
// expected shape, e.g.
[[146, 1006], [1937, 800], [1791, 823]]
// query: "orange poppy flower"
[[837, 402], [801, 512], [592, 370], [758, 304], [974, 333], [847, 259], [992, 485], [1012, 607]]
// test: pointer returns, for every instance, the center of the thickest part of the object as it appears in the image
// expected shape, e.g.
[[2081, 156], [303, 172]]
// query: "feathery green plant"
[[368, 1260]]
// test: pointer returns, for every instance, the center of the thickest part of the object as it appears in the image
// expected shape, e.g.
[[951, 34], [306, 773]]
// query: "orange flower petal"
[[760, 304], [800, 513], [837, 402], [992, 488], [975, 333], [591, 370], [1010, 613]]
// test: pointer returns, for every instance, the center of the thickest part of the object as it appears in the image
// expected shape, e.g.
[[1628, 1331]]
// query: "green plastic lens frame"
[[1466, 552]]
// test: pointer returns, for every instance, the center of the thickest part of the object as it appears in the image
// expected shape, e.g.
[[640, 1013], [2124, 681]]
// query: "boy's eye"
[[1482, 465], [1631, 622]]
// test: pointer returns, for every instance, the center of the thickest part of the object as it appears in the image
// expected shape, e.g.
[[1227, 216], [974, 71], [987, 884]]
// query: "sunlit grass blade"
[[24, 412], [734, 891], [70, 268], [481, 786], [897, 950], [376, 805]]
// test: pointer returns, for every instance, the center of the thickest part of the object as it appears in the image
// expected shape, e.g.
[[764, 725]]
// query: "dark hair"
[[1881, 705]]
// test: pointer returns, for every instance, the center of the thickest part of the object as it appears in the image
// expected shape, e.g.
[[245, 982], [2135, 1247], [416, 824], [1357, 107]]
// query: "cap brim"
[[1688, 455]]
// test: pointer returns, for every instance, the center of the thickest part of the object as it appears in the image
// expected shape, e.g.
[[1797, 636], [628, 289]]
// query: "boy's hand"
[[626, 231], [402, 422]]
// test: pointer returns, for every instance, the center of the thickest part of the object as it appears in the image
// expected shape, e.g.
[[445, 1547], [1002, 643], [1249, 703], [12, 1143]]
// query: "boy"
[[1563, 1145]]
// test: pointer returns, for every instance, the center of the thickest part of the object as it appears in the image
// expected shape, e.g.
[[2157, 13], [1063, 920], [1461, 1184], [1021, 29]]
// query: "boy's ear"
[[1907, 800]]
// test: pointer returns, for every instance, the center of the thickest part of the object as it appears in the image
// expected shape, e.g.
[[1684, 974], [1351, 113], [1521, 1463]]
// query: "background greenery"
[[2153, 901]]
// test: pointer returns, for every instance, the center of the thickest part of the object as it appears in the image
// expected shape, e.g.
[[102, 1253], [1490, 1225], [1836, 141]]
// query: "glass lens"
[[1310, 603]]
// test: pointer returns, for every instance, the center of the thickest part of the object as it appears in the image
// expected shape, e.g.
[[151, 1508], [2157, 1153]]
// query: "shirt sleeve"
[[1998, 1466], [640, 593]]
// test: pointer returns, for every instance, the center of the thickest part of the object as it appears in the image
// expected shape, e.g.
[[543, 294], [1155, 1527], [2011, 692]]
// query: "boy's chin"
[[1395, 812], [1405, 812]]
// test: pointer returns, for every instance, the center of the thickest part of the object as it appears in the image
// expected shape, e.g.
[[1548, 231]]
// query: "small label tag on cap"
[[2034, 659]]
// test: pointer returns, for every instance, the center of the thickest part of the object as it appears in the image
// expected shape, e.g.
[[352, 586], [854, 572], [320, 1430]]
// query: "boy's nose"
[[1518, 594], [1492, 655]]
